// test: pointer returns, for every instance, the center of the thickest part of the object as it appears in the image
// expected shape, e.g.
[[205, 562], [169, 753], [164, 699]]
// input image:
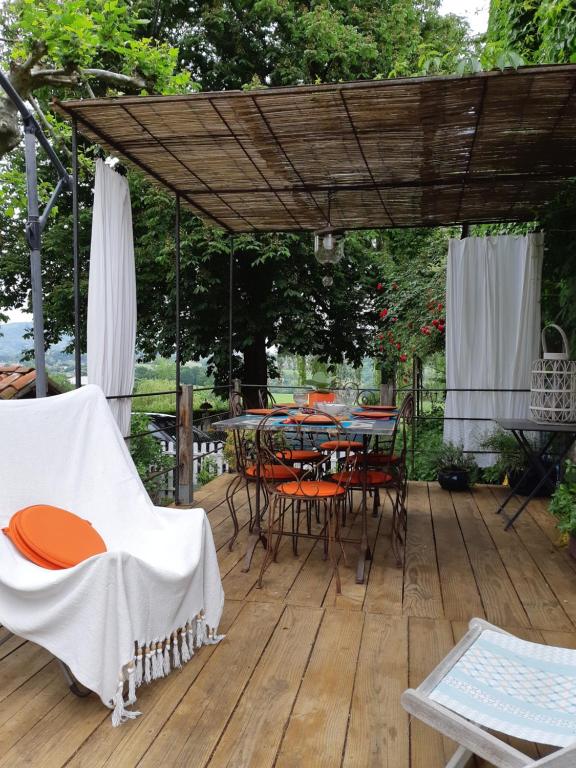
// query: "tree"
[[279, 297], [79, 45]]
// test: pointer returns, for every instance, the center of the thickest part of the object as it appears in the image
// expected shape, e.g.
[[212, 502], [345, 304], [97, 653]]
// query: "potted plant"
[[511, 464], [456, 471], [563, 506]]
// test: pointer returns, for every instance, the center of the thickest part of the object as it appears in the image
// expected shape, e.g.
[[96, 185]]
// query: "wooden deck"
[[305, 678]]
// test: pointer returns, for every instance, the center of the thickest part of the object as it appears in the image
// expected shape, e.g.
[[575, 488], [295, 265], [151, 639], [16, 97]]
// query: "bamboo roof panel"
[[494, 146]]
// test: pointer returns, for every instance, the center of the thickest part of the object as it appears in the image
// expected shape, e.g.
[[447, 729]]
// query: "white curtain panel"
[[112, 293], [492, 331]]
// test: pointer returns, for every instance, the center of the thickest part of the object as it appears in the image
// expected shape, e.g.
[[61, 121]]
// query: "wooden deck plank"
[[460, 595], [378, 730], [316, 732], [193, 730], [429, 641], [499, 598], [254, 733], [539, 601], [385, 588], [422, 594]]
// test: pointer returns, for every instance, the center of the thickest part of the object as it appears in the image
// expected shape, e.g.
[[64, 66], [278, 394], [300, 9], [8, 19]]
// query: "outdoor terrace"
[[306, 678]]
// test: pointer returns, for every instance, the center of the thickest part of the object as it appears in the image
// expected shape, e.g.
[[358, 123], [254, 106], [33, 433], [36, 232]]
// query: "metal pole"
[[230, 311], [75, 246], [465, 230], [33, 235], [177, 333]]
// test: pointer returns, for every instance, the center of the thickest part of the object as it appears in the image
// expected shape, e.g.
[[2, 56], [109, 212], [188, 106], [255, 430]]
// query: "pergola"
[[410, 152]]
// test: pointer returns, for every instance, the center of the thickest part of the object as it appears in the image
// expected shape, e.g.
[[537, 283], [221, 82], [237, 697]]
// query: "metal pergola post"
[[230, 313], [177, 334], [36, 222], [75, 246]]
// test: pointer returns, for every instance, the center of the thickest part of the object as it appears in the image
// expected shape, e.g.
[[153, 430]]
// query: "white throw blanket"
[[133, 613]]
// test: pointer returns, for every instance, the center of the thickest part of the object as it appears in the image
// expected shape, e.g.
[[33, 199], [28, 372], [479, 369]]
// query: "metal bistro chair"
[[493, 680], [307, 492], [247, 470]]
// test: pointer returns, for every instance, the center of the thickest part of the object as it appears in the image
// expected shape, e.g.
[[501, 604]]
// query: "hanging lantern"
[[329, 246]]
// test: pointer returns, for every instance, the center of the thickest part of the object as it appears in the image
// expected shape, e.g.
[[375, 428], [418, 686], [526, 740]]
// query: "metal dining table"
[[353, 426]]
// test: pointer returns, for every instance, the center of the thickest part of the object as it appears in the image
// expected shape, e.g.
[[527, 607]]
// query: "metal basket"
[[553, 384]]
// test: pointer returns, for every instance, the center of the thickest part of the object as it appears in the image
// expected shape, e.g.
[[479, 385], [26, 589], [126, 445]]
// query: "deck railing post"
[[186, 445]]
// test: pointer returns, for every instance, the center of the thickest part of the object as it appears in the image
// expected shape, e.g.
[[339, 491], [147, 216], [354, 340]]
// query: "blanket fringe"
[[151, 661]]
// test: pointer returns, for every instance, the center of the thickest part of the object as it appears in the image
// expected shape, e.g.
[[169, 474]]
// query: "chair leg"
[[281, 515], [331, 512], [230, 493], [460, 758], [269, 545]]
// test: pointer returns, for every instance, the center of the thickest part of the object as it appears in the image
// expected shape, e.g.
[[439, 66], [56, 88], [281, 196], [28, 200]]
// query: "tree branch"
[[115, 78]]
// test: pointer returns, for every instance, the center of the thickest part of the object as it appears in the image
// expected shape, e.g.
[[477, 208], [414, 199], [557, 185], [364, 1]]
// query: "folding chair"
[[493, 680]]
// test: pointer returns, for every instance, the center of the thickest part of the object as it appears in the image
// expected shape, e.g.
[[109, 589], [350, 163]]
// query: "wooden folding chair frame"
[[473, 739]]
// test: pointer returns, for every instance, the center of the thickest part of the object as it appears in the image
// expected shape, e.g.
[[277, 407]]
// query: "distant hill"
[[13, 345]]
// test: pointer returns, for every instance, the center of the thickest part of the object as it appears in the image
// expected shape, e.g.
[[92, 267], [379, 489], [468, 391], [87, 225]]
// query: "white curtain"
[[492, 331], [112, 293]]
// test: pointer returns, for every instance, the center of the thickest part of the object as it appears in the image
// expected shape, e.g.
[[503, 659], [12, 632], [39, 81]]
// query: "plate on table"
[[309, 418], [266, 411], [383, 408], [374, 415]]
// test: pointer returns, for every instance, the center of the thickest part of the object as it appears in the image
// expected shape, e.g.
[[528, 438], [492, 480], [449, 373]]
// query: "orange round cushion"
[[334, 445], [311, 489], [356, 477], [23, 548], [299, 455], [55, 536], [274, 472]]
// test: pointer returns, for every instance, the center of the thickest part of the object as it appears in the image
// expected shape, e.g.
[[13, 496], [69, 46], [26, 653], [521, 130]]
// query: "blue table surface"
[[355, 426]]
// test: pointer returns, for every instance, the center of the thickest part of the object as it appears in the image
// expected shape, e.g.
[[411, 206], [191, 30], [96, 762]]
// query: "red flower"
[[383, 312], [425, 330], [440, 307], [435, 322], [441, 328], [403, 358], [398, 345], [394, 319], [380, 335], [379, 287], [381, 347]]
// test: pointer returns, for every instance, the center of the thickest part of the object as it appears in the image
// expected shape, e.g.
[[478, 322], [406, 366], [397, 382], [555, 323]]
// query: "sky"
[[476, 13]]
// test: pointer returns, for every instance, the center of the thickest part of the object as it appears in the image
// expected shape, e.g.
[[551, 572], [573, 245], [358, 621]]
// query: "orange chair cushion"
[[311, 489], [52, 537], [274, 472], [334, 445], [378, 459], [356, 477], [299, 455]]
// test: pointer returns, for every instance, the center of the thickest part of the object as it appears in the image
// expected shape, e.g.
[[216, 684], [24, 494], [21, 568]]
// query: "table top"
[[354, 426], [527, 425]]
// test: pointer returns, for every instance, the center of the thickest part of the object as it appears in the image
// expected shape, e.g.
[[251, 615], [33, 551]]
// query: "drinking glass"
[[300, 397]]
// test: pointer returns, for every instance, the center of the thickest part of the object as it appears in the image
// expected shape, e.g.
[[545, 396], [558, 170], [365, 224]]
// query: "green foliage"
[[147, 455], [207, 470], [94, 34], [538, 31], [409, 299], [511, 458], [450, 457], [563, 501]]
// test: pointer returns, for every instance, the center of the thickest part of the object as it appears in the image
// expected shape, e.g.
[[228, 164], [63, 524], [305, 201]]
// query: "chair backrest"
[[271, 443]]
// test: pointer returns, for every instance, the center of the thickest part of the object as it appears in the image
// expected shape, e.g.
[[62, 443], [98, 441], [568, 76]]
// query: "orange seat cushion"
[[299, 455], [274, 472], [311, 489], [356, 477], [52, 537], [335, 445]]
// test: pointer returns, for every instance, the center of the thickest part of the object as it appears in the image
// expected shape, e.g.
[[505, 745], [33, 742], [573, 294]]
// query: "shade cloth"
[[492, 331], [516, 687], [111, 332], [116, 613]]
